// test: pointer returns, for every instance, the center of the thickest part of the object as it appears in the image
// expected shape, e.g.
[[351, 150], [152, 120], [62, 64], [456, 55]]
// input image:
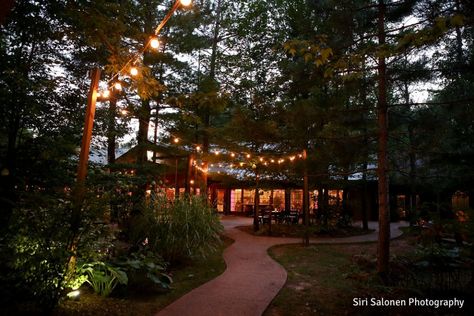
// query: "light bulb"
[[134, 71], [154, 43], [185, 3]]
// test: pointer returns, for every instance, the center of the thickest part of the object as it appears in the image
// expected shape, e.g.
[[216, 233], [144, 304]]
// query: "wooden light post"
[[88, 124]]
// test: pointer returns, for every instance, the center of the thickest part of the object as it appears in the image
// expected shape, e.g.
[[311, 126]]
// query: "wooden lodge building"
[[175, 172]]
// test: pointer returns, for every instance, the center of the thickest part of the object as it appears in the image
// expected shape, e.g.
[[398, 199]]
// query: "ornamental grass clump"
[[179, 230]]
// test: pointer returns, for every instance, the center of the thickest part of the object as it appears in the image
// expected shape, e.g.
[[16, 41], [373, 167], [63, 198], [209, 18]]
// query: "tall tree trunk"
[[111, 131], [143, 126], [411, 157], [383, 252], [212, 76], [256, 203], [305, 198], [188, 176], [5, 7], [8, 177], [365, 216]]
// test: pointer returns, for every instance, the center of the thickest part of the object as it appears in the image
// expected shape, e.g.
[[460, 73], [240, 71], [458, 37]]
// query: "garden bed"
[[148, 300]]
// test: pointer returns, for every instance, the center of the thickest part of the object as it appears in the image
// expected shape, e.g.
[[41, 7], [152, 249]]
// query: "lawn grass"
[[324, 280], [185, 278]]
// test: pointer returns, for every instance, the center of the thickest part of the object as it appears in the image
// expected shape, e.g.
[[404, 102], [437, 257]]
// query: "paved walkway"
[[252, 279]]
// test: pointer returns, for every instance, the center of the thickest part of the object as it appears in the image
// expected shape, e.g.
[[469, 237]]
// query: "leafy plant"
[[149, 263], [103, 277]]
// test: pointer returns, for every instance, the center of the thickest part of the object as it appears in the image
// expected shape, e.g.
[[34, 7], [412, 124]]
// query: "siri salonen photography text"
[[412, 301]]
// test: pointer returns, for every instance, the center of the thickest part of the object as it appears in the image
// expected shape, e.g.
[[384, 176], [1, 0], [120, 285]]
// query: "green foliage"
[[183, 229], [34, 254], [149, 263], [103, 277]]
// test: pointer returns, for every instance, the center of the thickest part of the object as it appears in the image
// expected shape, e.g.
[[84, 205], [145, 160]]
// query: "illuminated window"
[[236, 200], [335, 197], [279, 199], [296, 199], [249, 197], [265, 197], [220, 200]]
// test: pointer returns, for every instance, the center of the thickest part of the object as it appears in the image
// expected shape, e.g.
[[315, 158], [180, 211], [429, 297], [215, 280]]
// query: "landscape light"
[[74, 295]]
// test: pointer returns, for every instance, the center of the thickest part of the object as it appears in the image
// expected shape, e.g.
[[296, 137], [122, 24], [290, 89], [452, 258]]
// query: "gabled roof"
[[162, 152]]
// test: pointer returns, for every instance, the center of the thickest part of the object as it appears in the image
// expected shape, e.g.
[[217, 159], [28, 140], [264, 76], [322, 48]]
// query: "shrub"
[[183, 229], [35, 252]]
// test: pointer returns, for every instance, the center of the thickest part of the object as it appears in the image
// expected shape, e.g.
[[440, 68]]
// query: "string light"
[[154, 42], [261, 159], [118, 86], [104, 94], [248, 156], [198, 148], [232, 155], [216, 153], [176, 140]]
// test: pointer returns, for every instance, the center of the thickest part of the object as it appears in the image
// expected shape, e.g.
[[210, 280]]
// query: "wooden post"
[[305, 199], [89, 122], [383, 249], [176, 185], [256, 203], [79, 191]]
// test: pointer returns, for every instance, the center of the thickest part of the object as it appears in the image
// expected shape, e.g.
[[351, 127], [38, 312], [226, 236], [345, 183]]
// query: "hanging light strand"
[[136, 57]]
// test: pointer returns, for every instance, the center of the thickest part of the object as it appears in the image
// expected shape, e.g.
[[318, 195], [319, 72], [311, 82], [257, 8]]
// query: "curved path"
[[252, 279]]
